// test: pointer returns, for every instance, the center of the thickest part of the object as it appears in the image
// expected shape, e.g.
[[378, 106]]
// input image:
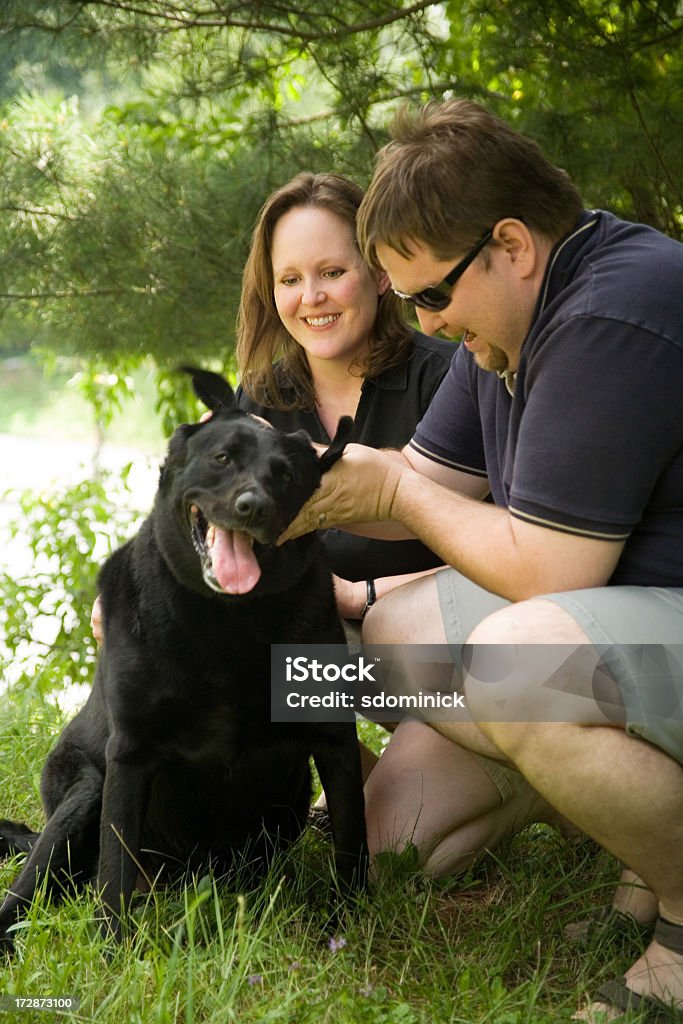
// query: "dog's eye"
[[223, 458], [281, 468]]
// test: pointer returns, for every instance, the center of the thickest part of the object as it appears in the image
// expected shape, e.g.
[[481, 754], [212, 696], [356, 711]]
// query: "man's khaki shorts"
[[638, 632]]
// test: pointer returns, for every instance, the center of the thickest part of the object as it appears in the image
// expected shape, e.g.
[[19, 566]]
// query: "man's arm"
[[505, 555], [468, 484]]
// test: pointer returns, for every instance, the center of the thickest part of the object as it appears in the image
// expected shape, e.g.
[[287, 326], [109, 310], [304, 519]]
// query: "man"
[[564, 403]]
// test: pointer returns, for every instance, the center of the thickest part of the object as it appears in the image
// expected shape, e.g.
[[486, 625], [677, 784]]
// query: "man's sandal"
[[650, 1008], [607, 925]]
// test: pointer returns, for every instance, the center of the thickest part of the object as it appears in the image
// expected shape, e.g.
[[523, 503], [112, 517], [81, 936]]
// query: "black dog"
[[174, 763]]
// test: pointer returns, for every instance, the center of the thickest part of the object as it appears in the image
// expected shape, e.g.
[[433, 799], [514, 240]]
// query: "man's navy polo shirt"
[[591, 442]]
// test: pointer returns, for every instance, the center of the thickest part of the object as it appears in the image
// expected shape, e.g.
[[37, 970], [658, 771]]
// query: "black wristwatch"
[[371, 598]]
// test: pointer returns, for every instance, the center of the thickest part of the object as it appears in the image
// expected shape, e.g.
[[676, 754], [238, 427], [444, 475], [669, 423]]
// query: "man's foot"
[[633, 897], [608, 924], [631, 915], [653, 985]]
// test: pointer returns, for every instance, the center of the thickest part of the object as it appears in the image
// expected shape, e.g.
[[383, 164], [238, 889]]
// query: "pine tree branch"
[[177, 19]]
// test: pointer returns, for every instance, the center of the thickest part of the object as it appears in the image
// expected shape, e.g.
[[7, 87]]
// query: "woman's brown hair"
[[262, 340]]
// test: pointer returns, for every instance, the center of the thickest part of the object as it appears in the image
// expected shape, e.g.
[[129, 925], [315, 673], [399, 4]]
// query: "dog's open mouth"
[[229, 563]]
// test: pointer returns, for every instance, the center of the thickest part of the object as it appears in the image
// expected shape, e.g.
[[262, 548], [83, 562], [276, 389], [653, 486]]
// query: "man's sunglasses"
[[438, 296]]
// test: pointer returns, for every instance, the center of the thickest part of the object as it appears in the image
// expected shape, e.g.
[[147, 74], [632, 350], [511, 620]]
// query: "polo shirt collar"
[[393, 379], [564, 257]]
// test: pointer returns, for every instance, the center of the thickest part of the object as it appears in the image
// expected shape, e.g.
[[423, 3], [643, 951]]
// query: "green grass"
[[487, 947]]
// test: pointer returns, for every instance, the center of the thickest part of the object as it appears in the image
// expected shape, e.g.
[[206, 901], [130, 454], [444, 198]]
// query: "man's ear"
[[519, 244], [337, 445], [383, 282]]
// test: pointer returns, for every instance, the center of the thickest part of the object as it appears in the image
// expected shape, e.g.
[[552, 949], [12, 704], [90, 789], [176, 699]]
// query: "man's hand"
[[360, 488]]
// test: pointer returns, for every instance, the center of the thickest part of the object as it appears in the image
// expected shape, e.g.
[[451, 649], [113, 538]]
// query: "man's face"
[[491, 303]]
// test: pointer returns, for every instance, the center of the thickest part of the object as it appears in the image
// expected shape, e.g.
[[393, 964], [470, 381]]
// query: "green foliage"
[[599, 85], [139, 217], [45, 614], [139, 141]]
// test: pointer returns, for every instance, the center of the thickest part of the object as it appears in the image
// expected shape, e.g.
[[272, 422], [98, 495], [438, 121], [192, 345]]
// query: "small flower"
[[255, 979], [366, 990], [294, 966], [336, 944]]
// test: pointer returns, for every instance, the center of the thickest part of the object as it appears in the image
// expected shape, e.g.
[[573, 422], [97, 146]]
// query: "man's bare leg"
[[430, 793], [625, 793], [426, 790]]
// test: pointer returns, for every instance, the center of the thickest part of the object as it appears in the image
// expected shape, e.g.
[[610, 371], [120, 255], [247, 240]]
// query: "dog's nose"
[[251, 507]]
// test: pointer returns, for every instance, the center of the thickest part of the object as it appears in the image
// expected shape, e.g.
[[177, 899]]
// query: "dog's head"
[[235, 484]]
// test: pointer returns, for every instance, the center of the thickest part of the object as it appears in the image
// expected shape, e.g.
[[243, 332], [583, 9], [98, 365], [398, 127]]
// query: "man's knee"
[[536, 621], [530, 663], [495, 681]]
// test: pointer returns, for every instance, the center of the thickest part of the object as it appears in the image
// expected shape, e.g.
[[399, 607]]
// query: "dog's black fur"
[[173, 761]]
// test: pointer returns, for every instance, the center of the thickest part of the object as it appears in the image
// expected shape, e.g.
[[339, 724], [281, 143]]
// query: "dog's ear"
[[210, 388], [337, 445]]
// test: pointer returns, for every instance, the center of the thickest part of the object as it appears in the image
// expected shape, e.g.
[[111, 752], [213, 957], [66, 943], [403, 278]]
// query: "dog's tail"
[[16, 838]]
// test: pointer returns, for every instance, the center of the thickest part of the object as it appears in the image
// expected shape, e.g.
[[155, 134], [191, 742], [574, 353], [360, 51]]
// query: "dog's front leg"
[[339, 768], [124, 804]]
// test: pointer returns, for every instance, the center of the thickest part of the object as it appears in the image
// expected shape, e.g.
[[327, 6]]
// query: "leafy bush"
[[45, 614]]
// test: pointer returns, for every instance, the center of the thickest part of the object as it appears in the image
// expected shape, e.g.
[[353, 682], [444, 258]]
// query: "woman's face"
[[325, 295]]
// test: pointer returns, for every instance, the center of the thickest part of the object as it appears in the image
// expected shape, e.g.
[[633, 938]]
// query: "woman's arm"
[[352, 596]]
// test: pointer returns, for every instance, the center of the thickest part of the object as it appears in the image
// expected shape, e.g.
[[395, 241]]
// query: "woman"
[[320, 335]]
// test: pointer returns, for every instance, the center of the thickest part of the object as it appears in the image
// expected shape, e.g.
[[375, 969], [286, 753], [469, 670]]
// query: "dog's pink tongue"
[[233, 561]]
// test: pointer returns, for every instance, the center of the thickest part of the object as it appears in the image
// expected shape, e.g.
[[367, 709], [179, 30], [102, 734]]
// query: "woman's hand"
[[360, 488], [96, 623]]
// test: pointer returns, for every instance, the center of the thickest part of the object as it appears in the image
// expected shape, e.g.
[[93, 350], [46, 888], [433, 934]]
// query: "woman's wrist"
[[370, 597]]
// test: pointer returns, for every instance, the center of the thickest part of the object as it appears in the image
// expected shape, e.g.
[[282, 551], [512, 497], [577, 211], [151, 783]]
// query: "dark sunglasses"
[[438, 296]]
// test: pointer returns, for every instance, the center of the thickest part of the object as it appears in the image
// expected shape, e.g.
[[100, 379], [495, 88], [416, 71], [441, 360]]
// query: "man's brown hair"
[[452, 171]]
